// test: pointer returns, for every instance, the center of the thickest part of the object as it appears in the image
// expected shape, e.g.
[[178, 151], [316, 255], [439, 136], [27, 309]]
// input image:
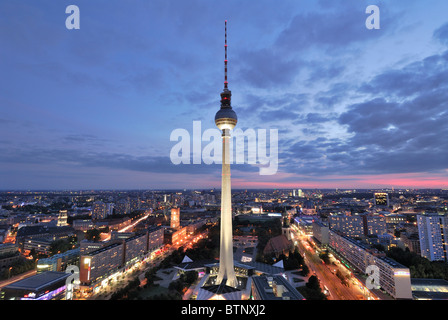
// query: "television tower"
[[225, 120]]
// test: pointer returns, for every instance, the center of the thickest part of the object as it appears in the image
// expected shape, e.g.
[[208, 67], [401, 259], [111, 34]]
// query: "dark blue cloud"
[[399, 127], [441, 34]]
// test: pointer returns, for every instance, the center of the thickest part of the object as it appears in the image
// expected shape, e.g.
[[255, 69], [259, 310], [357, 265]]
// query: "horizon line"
[[205, 188]]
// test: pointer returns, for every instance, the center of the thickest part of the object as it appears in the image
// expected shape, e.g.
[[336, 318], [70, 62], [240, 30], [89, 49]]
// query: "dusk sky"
[[93, 108]]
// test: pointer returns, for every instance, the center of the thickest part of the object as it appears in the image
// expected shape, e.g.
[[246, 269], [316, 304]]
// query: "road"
[[327, 275]]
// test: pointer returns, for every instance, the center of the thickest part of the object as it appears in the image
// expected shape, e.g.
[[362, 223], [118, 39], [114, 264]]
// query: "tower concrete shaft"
[[226, 268]]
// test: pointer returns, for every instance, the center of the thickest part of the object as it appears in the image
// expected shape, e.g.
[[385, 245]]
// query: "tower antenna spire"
[[225, 59]]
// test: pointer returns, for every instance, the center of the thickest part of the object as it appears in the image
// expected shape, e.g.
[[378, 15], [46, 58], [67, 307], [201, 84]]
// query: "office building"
[[62, 218], [99, 210], [381, 199], [175, 218]]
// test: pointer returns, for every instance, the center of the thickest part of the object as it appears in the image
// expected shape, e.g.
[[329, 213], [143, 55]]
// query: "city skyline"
[[94, 108]]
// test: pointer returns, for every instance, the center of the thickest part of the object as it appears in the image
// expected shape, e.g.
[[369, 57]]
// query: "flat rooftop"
[[38, 281], [267, 292]]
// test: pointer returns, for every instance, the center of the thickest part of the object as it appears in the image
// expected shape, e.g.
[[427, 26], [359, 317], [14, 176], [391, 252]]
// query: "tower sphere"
[[226, 118]]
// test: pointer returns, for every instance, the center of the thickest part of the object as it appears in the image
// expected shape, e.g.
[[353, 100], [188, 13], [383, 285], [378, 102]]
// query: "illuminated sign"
[[274, 214]]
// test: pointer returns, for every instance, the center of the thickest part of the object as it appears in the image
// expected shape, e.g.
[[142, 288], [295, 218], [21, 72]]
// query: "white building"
[[394, 278], [432, 231]]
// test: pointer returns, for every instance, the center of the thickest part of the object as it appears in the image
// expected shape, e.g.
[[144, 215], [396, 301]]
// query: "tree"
[[419, 267], [313, 283], [93, 235], [190, 277], [325, 257], [312, 290], [177, 285], [305, 270], [61, 245]]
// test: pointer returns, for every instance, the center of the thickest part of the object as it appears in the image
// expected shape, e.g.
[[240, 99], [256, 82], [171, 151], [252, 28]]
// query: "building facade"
[[433, 232], [358, 226], [175, 218], [394, 278], [98, 261], [98, 264], [321, 233], [350, 226], [98, 210]]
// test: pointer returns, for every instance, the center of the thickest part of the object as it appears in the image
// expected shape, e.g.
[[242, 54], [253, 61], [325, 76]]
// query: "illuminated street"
[[327, 274]]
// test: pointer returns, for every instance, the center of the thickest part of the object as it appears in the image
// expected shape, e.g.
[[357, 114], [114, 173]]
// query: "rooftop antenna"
[[225, 60]]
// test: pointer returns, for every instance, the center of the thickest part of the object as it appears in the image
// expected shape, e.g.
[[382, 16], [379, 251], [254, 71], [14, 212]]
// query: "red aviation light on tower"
[[225, 60]]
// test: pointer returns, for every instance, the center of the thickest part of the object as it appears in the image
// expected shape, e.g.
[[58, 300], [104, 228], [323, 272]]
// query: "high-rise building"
[[433, 232], [122, 207], [98, 210], [109, 209], [62, 219], [225, 120], [381, 199], [175, 218]]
